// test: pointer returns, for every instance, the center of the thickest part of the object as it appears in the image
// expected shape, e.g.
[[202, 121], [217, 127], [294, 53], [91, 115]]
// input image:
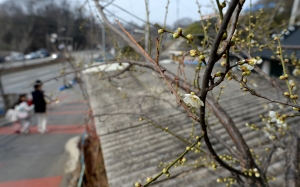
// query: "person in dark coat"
[[40, 106]]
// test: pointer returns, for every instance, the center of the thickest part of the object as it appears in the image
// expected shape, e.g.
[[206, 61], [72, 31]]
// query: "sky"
[[177, 9], [182, 9]]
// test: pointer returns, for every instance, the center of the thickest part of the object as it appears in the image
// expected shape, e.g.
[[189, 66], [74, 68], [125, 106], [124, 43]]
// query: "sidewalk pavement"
[[38, 160], [4, 122]]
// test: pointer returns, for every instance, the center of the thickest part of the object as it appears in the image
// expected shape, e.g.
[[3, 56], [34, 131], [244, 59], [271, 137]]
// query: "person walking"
[[40, 106], [12, 116], [23, 113]]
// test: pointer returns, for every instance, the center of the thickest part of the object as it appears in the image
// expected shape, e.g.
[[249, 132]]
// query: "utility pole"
[[177, 14], [147, 30], [103, 40], [294, 12]]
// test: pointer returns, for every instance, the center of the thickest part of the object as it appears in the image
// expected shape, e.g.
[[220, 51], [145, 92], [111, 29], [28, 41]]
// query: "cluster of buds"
[[287, 94], [213, 165], [149, 179], [198, 68], [229, 181], [232, 43], [246, 72], [199, 144], [246, 66], [218, 74], [226, 157], [190, 37], [254, 61], [270, 136], [261, 47], [296, 109], [137, 184], [278, 118], [295, 63], [166, 172], [292, 85], [178, 33], [252, 172], [223, 5], [161, 31], [201, 58], [182, 160], [271, 178], [224, 36], [223, 63], [229, 76], [296, 72], [278, 53], [252, 126], [193, 53], [221, 92], [284, 77]]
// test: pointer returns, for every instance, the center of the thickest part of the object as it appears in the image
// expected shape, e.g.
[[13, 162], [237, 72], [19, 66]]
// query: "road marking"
[[40, 182]]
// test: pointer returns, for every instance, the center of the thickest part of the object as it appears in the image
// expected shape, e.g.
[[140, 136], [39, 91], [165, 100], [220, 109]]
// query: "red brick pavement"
[[41, 182]]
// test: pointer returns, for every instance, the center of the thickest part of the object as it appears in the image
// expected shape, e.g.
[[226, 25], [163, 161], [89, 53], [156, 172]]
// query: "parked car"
[[107, 57], [32, 55], [43, 53], [15, 56], [56, 56]]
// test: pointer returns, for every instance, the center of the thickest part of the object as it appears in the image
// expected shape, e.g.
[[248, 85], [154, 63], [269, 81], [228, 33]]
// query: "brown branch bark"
[[246, 159], [267, 160]]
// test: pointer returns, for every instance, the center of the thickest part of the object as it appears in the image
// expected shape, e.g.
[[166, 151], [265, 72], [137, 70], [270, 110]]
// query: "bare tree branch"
[[268, 159]]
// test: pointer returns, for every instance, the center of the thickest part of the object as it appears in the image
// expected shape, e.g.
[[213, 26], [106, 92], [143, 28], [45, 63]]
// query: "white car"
[[15, 56]]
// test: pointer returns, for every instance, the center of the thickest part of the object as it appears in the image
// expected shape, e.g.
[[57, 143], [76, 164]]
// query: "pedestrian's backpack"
[[11, 115]]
